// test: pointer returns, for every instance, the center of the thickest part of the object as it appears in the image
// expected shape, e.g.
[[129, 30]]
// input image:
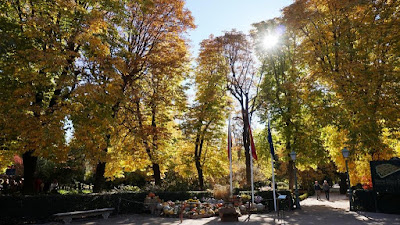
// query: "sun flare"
[[270, 41]]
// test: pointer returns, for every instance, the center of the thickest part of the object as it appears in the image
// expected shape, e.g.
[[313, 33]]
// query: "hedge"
[[364, 200], [40, 208]]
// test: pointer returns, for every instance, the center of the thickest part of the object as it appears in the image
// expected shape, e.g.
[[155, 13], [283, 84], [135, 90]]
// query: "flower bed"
[[194, 208]]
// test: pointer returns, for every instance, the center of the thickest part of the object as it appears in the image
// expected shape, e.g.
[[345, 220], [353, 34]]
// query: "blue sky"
[[216, 16]]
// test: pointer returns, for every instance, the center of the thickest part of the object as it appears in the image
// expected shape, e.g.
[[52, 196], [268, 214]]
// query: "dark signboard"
[[10, 172], [386, 176]]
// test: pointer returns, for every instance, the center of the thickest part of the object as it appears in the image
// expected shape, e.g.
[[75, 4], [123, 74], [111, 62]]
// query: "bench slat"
[[84, 212], [67, 217]]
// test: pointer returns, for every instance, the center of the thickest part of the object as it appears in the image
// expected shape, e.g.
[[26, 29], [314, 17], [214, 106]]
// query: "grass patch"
[[74, 191]]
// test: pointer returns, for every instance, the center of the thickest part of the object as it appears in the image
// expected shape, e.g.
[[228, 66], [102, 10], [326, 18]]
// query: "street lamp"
[[293, 156], [345, 153]]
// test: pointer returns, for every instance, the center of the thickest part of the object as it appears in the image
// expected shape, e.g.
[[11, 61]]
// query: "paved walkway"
[[318, 212]]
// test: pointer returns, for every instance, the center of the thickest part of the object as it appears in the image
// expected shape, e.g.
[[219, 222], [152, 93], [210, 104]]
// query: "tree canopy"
[[111, 87]]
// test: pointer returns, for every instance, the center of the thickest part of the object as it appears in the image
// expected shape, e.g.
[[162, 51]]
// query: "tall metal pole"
[[349, 191], [273, 182], [230, 156], [251, 166], [296, 190], [252, 178], [273, 173]]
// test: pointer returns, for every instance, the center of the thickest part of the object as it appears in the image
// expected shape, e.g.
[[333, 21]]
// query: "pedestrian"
[[325, 187], [317, 189], [182, 209], [38, 185], [53, 186]]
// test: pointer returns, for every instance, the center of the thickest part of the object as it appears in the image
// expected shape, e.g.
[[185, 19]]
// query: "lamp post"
[[293, 156], [345, 153]]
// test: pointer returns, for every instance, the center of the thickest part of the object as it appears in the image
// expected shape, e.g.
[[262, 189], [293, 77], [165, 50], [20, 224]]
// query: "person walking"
[[326, 187], [317, 189], [182, 209]]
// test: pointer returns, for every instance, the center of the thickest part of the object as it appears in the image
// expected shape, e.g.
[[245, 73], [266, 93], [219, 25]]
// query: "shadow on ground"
[[313, 212]]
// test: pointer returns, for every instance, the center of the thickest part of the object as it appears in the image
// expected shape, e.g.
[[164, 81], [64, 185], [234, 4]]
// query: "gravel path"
[[318, 212]]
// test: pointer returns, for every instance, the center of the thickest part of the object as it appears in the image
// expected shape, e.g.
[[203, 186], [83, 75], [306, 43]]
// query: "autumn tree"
[[136, 92], [207, 115], [283, 95], [242, 81], [351, 49], [155, 58], [94, 114], [39, 68]]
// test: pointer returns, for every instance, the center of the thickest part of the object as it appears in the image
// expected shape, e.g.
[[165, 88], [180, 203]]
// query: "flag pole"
[[251, 167], [273, 182], [272, 165], [230, 155], [252, 179]]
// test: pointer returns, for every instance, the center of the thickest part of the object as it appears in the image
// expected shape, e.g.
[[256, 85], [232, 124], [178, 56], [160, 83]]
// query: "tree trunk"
[[200, 173], [99, 179], [29, 162], [246, 144], [157, 173], [156, 166], [197, 158], [248, 166]]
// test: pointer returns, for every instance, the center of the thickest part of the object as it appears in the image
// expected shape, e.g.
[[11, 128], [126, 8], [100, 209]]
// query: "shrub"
[[303, 196], [221, 192], [40, 208], [364, 200]]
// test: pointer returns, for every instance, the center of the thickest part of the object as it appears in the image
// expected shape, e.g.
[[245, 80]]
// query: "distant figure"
[[317, 189], [38, 185], [53, 186], [183, 206], [326, 188]]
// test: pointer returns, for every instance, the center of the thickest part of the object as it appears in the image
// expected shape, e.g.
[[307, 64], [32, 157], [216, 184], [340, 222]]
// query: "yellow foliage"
[[6, 159], [334, 142]]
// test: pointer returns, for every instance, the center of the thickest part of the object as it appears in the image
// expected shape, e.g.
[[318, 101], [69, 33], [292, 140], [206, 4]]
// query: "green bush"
[[303, 196], [40, 208], [364, 200], [73, 192]]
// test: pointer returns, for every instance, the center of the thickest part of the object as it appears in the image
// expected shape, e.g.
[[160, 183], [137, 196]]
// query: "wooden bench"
[[67, 217]]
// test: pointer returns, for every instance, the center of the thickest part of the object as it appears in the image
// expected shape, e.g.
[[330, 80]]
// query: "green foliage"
[[303, 196], [116, 71], [40, 208], [352, 74], [283, 99], [73, 192]]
